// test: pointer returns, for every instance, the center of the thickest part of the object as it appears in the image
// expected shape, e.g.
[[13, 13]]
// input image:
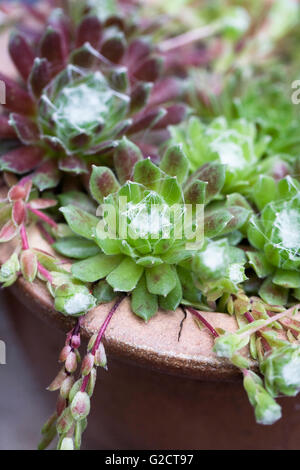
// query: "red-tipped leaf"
[[8, 232], [40, 76], [6, 130], [26, 129], [21, 53], [89, 30], [17, 99], [21, 160]]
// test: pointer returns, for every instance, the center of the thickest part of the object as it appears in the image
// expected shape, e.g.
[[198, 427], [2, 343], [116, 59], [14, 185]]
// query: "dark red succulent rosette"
[[82, 88]]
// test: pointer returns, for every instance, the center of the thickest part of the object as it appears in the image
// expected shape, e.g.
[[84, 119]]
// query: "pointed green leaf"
[[264, 191], [288, 279], [214, 174], [255, 233], [126, 156], [78, 199], [149, 261], [132, 191], [103, 292], [175, 163], [161, 279], [173, 299], [170, 190], [143, 303], [109, 246], [260, 264], [272, 294], [148, 174], [215, 222], [195, 193], [95, 268], [187, 280], [80, 222], [75, 247], [102, 183], [240, 216], [287, 188], [125, 277]]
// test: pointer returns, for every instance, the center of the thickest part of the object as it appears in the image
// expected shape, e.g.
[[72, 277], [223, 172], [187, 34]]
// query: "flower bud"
[[92, 381], [57, 382], [87, 364], [92, 342], [281, 369], [16, 192], [29, 264], [18, 212], [64, 353], [267, 411], [67, 444], [227, 344], [66, 386], [76, 387], [100, 357], [71, 362], [75, 341], [65, 421], [9, 270], [74, 300], [80, 406]]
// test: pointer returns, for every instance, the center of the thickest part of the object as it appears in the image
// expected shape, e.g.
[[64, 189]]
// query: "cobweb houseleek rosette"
[[275, 236], [83, 88], [145, 263], [278, 358], [234, 144]]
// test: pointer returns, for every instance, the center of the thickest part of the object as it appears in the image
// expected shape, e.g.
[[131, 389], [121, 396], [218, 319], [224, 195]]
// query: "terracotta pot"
[[159, 392]]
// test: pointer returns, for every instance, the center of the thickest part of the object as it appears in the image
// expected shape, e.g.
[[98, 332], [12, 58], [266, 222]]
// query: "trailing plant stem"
[[250, 319], [189, 37], [286, 313], [42, 216], [100, 335], [203, 320]]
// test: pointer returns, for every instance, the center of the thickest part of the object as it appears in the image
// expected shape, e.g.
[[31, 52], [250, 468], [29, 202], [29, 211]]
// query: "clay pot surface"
[[169, 342]]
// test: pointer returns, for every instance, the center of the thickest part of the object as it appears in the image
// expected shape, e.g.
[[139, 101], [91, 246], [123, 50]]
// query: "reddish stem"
[[105, 323], [203, 320], [42, 216], [44, 272], [100, 335], [45, 234], [250, 319], [85, 382]]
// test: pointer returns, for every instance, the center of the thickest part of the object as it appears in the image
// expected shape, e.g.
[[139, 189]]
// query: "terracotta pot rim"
[[132, 344]]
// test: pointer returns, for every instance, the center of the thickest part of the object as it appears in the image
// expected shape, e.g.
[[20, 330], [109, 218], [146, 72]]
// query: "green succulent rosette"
[[281, 369], [80, 114], [72, 297], [275, 235], [267, 411], [157, 226], [234, 144], [219, 268]]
